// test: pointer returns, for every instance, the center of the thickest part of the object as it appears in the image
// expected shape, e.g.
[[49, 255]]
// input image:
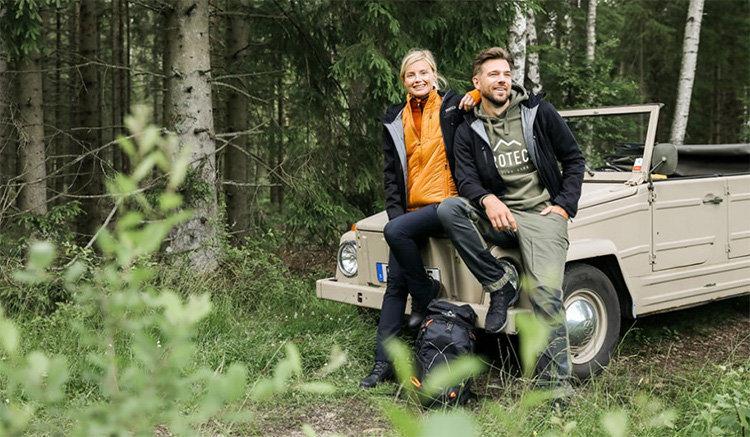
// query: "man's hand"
[[467, 103], [555, 209], [499, 214]]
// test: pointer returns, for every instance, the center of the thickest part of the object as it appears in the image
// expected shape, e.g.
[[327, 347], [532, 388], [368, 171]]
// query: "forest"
[[177, 173]]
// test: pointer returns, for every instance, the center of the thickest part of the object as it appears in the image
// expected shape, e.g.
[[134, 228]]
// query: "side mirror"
[[664, 159]]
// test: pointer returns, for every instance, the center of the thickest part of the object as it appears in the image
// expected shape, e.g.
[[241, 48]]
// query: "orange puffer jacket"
[[430, 179]]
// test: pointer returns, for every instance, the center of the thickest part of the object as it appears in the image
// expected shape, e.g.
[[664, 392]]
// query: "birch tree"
[[517, 42], [533, 77], [591, 31], [191, 117], [687, 71]]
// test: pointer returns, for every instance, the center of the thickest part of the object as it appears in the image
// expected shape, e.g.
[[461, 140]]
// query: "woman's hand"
[[467, 103]]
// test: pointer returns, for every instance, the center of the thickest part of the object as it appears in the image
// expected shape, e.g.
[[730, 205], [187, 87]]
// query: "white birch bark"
[[517, 42], [687, 71], [191, 115], [591, 31], [33, 197], [533, 77]]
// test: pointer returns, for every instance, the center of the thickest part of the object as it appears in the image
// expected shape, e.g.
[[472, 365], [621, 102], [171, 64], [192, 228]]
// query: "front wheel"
[[592, 313]]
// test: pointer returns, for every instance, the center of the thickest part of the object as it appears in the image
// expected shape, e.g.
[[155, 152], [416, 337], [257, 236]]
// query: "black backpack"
[[447, 332]]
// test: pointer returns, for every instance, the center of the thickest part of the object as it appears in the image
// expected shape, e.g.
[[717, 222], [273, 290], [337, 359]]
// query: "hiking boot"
[[497, 315], [381, 371], [419, 305]]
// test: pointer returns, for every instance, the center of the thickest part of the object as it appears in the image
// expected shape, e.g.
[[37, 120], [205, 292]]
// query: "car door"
[[689, 222], [738, 204]]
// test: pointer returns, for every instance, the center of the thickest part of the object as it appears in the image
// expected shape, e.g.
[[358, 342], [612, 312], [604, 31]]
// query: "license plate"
[[382, 271]]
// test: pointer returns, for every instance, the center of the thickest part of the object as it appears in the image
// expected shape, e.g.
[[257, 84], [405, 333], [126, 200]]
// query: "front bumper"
[[372, 297]]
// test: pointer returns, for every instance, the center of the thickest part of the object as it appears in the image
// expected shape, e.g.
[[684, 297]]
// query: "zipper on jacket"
[[484, 154]]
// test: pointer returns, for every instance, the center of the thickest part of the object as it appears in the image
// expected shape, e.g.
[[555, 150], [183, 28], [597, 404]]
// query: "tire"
[[589, 296]]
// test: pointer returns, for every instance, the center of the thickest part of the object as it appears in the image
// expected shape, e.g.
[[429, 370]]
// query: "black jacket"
[[548, 141], [394, 148]]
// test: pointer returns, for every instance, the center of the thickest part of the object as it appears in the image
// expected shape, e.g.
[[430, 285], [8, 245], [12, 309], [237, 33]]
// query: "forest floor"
[[679, 362], [680, 373]]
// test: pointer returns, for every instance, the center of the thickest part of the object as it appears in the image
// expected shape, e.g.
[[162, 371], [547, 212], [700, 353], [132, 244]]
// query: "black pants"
[[406, 273]]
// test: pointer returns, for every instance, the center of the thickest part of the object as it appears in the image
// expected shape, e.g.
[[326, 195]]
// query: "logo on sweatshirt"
[[506, 144]]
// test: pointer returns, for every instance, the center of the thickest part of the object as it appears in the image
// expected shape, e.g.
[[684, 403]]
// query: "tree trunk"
[[31, 135], [118, 106], [89, 177], [277, 152], [687, 71], [192, 119], [591, 31], [237, 118], [7, 151], [517, 42], [533, 77]]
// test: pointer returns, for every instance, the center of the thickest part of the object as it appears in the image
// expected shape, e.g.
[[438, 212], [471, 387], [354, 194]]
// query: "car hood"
[[598, 193], [591, 194], [373, 223]]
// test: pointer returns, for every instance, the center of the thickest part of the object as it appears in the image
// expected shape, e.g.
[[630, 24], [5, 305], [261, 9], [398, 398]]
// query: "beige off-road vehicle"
[[659, 228]]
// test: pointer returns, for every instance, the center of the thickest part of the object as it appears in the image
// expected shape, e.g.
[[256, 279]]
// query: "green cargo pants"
[[543, 243]]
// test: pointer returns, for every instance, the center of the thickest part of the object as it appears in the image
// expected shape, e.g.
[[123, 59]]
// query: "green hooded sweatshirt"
[[525, 190]]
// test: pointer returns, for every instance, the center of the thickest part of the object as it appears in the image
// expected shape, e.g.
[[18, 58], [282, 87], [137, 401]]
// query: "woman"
[[418, 149]]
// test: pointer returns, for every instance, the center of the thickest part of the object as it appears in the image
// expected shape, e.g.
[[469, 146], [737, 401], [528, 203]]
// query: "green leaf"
[[263, 389], [321, 388], [8, 336], [615, 423], [292, 354], [41, 254], [106, 242], [449, 424], [308, 430], [74, 272], [335, 361], [234, 382], [127, 146], [533, 338], [169, 201], [401, 356], [28, 277], [130, 220], [242, 416], [445, 375], [405, 423]]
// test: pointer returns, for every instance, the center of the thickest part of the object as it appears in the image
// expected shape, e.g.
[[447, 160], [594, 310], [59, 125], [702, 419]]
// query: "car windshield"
[[614, 142]]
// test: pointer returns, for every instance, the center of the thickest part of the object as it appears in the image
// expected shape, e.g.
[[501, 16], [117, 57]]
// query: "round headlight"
[[510, 267], [347, 258]]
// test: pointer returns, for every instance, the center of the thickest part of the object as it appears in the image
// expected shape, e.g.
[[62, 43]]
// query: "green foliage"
[[728, 412], [55, 225], [21, 25], [533, 338]]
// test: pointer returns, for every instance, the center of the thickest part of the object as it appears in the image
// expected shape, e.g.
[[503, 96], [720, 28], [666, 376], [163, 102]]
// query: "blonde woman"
[[418, 148]]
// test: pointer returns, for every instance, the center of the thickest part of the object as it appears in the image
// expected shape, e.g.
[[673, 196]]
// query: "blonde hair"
[[416, 55]]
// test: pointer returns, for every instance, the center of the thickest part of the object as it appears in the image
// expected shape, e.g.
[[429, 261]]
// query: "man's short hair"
[[489, 54]]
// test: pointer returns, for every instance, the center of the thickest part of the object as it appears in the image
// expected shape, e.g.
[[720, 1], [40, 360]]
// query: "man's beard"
[[495, 101]]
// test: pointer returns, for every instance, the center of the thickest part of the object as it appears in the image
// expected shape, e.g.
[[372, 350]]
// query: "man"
[[507, 154]]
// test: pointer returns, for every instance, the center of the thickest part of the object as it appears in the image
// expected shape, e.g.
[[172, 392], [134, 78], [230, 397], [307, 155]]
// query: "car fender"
[[592, 249]]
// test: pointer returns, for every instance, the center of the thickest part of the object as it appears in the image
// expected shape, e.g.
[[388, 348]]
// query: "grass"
[[677, 374]]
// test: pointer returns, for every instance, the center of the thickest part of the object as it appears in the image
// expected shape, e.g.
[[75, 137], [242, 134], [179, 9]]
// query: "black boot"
[[381, 371], [497, 315], [419, 305]]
